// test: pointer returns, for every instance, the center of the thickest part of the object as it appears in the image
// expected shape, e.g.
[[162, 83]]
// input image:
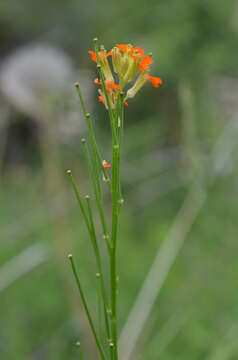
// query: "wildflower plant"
[[122, 72]]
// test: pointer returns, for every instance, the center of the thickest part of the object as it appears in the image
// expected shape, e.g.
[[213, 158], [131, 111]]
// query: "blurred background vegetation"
[[179, 177]]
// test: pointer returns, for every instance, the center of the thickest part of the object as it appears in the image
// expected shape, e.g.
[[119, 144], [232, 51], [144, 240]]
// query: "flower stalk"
[[85, 304], [129, 64]]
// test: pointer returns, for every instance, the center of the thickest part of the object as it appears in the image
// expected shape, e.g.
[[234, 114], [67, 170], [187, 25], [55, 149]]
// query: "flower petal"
[[145, 63], [101, 99], [155, 80]]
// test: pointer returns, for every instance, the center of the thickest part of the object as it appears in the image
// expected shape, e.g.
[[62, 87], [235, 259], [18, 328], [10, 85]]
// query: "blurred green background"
[[179, 175]]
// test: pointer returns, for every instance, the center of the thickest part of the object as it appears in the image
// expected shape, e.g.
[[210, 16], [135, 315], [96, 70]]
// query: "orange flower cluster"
[[127, 62], [93, 55], [113, 90]]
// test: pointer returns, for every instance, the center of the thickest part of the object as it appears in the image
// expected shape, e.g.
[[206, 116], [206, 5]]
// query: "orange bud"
[[106, 165], [101, 99], [93, 55], [97, 81]]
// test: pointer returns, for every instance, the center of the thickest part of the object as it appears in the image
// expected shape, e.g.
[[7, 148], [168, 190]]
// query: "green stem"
[[92, 233], [121, 129], [100, 329], [98, 195], [99, 345], [113, 267], [99, 266], [96, 153], [78, 197]]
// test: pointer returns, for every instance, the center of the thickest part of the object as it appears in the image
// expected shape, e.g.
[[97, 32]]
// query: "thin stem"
[[99, 306], [98, 195], [117, 114], [100, 330], [99, 266], [96, 153], [93, 232], [113, 259], [78, 197], [121, 123], [99, 345], [91, 229], [121, 128]]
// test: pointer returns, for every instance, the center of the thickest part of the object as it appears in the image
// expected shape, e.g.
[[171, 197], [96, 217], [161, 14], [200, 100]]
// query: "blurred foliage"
[[199, 297], [188, 38]]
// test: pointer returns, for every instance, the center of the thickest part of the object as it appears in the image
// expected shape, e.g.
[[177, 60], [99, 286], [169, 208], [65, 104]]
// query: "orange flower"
[[97, 82], [93, 55], [122, 47], [135, 52], [145, 63], [101, 100], [131, 65], [156, 81], [112, 89], [112, 85], [106, 165], [138, 50], [132, 50]]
